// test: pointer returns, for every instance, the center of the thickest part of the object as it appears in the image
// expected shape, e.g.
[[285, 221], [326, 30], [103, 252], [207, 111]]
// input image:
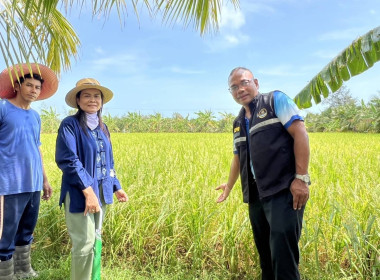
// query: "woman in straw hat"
[[22, 176], [84, 154]]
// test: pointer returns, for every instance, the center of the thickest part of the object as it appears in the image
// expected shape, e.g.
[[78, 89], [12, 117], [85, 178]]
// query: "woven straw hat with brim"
[[11, 75], [87, 83]]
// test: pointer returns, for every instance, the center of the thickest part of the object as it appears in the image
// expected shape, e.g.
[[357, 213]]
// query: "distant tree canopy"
[[206, 121], [343, 113]]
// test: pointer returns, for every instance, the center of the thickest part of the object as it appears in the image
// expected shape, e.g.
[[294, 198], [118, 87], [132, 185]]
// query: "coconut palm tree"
[[35, 30], [355, 59]]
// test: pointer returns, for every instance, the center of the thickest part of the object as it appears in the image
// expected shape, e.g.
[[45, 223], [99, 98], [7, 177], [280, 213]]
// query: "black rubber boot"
[[22, 266], [7, 270]]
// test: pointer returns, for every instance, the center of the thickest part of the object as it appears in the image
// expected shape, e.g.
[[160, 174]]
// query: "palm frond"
[[31, 31], [355, 59], [202, 14], [35, 30]]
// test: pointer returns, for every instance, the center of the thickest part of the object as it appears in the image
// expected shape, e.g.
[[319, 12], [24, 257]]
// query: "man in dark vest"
[[271, 154]]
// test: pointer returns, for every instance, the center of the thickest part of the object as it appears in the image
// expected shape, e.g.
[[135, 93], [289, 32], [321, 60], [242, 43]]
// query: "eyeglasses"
[[243, 83]]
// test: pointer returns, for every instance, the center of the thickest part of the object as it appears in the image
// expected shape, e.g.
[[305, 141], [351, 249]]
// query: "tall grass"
[[172, 227]]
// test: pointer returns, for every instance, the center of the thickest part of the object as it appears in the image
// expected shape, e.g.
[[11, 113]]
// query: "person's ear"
[[17, 87], [256, 81]]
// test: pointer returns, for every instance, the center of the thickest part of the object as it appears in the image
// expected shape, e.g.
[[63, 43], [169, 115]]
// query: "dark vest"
[[248, 184], [271, 150]]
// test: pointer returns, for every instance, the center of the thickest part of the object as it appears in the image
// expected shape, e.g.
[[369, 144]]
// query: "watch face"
[[305, 178]]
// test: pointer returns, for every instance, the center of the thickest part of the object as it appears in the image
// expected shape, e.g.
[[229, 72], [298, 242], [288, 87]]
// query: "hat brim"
[[11, 75], [71, 95]]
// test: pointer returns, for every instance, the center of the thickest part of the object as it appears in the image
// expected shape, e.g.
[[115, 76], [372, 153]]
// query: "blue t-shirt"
[[20, 158]]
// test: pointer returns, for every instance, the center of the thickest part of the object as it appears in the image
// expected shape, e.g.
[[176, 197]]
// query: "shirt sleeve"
[[285, 109], [67, 159], [2, 110], [116, 182]]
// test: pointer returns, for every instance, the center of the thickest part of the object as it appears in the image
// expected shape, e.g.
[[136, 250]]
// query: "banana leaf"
[[358, 57], [322, 86], [341, 63]]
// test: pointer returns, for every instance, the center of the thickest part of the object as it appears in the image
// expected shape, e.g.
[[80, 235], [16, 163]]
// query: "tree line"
[[132, 122], [342, 113]]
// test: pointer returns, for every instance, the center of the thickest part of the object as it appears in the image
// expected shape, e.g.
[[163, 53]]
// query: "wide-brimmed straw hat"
[[87, 83], [11, 75]]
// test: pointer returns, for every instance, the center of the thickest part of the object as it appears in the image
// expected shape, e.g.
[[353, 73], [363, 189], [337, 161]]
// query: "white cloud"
[[114, 60], [231, 18], [280, 71], [99, 50], [325, 54], [347, 34], [227, 41], [120, 63], [180, 70], [231, 22], [234, 40], [256, 7]]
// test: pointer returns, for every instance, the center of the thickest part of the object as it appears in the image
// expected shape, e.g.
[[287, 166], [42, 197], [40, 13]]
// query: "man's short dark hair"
[[30, 76], [238, 69]]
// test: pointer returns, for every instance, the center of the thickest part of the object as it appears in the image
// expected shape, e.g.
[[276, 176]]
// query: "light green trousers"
[[82, 233]]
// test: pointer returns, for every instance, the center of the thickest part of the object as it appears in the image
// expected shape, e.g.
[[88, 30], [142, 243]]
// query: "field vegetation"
[[172, 228], [341, 113]]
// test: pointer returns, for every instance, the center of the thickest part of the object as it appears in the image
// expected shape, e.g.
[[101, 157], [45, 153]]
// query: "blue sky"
[[156, 68]]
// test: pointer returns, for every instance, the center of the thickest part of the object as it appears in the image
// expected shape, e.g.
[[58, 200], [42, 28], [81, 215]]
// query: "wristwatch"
[[305, 178]]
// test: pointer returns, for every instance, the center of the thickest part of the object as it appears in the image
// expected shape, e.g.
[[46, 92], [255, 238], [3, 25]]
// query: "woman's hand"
[[92, 202], [121, 196]]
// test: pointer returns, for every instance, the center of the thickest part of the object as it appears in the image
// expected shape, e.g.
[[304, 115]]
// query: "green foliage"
[[49, 120], [172, 227], [342, 114], [355, 59], [345, 114], [135, 122], [205, 121]]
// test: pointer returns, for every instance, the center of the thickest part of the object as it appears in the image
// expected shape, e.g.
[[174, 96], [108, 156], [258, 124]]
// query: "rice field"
[[172, 228]]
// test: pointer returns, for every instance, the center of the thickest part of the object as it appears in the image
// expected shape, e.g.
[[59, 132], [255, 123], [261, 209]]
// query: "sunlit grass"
[[173, 229]]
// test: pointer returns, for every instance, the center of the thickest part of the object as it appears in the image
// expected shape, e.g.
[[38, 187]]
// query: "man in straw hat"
[[22, 175]]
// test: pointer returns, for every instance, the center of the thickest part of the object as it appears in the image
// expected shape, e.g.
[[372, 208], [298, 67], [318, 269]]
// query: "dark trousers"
[[277, 230], [20, 213]]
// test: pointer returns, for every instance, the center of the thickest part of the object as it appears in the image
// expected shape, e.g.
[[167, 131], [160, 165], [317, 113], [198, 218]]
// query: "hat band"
[[90, 84]]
